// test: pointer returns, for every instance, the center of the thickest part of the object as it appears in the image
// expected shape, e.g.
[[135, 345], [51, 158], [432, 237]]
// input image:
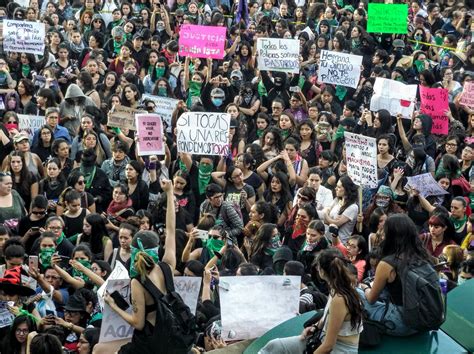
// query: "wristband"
[[152, 166]]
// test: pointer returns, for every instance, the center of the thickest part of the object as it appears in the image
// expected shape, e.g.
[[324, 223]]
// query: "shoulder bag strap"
[[114, 258], [165, 268]]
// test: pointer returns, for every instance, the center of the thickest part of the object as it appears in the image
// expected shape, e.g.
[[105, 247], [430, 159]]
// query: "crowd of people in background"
[[77, 195]]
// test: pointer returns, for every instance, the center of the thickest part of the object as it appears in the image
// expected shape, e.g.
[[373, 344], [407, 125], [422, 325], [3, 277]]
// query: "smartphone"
[[229, 241], [119, 300], [50, 313], [203, 235], [35, 228], [33, 262]]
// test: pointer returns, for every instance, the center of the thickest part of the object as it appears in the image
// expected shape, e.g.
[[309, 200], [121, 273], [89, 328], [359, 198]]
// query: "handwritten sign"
[[202, 41], [188, 288], [203, 133], [123, 117], [434, 102], [387, 18], [6, 317], [30, 124], [393, 96], [274, 299], [150, 134], [114, 327], [339, 68], [119, 272], [467, 96], [361, 156], [426, 185], [164, 106], [278, 54], [23, 36]]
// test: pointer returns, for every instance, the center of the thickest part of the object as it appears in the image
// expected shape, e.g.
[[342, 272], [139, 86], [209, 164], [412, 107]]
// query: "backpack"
[[175, 326], [423, 303]]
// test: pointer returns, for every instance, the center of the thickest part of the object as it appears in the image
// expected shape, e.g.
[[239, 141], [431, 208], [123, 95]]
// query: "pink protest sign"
[[434, 102], [202, 41], [150, 134], [467, 96]]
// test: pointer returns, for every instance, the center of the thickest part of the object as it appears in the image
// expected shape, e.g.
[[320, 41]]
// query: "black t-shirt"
[[24, 225]]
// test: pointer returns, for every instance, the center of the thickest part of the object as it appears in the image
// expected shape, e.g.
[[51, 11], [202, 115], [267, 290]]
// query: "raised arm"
[[170, 242]]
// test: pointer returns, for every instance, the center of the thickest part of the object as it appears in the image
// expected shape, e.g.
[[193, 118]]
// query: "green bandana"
[[341, 92], [60, 239], [162, 92], [213, 245], [25, 70], [458, 223], [79, 274], [260, 133], [339, 133], [160, 72], [204, 177], [420, 65], [118, 45], [152, 252], [88, 176], [182, 166], [262, 91], [285, 133], [45, 255], [194, 91], [275, 244]]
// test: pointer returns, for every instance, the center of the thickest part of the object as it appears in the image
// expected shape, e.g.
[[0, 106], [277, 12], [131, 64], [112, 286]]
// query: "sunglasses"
[[38, 212], [303, 198], [11, 121], [80, 182]]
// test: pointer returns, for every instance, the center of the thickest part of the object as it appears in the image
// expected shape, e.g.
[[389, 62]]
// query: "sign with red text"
[[434, 102], [202, 41], [339, 68], [276, 54], [150, 134], [203, 133], [467, 96], [361, 157]]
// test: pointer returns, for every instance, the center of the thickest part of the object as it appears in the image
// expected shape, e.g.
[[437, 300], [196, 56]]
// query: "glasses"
[[80, 182], [12, 121], [55, 228], [38, 212], [22, 331], [451, 144]]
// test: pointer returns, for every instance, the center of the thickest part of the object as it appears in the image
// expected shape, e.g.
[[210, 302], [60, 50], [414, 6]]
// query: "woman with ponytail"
[[146, 273], [341, 322]]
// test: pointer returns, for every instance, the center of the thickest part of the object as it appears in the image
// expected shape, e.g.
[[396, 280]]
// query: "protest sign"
[[393, 96], [203, 133], [467, 95], [23, 37], [188, 288], [339, 68], [252, 305], [114, 327], [29, 124], [6, 317], [278, 54], [164, 106], [150, 134], [119, 272], [426, 185], [361, 157], [202, 41], [123, 117], [387, 18], [434, 102]]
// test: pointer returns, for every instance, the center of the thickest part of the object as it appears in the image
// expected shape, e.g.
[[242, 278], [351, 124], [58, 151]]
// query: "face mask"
[[76, 273], [368, 89], [236, 83], [160, 28], [399, 78], [162, 91], [160, 72], [45, 255], [418, 37], [11, 126], [278, 82], [382, 203], [195, 87], [275, 242], [217, 101], [247, 97], [214, 245], [152, 252], [420, 65]]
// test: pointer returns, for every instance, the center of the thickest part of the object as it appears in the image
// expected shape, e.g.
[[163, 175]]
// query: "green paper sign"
[[387, 18]]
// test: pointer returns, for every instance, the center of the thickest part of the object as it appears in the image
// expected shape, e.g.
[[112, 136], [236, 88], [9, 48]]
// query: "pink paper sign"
[[434, 102], [467, 96], [150, 134], [202, 41]]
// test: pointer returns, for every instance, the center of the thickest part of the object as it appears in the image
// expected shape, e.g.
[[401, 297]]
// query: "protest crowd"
[[180, 176]]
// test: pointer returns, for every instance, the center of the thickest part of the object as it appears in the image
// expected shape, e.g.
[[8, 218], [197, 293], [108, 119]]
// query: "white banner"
[[276, 54], [30, 124], [188, 288], [119, 272], [203, 133], [114, 327], [252, 305], [393, 96], [339, 68], [361, 157], [23, 37], [164, 107]]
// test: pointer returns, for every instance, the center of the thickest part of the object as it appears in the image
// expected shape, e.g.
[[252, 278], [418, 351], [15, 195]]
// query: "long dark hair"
[[262, 239], [98, 231], [351, 193], [341, 282], [12, 345], [402, 240], [26, 177]]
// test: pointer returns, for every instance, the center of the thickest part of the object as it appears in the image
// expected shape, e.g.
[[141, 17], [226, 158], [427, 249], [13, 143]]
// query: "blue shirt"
[[59, 133]]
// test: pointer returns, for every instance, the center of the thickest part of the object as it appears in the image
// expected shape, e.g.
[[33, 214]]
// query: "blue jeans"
[[389, 314]]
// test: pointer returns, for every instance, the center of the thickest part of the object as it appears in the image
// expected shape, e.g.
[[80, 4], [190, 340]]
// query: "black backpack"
[[175, 328], [423, 303]]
